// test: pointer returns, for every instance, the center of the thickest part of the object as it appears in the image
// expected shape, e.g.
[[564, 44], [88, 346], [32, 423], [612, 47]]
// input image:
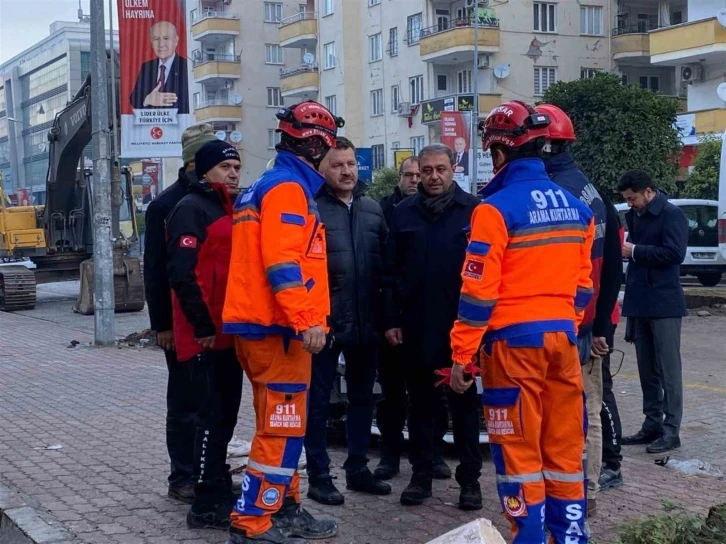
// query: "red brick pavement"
[[107, 484]]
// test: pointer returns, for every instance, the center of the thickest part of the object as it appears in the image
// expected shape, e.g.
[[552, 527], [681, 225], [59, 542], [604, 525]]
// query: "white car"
[[703, 258]]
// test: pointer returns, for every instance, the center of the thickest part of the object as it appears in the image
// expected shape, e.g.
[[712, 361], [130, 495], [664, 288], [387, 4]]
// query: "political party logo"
[[515, 506], [474, 269], [270, 497], [157, 133]]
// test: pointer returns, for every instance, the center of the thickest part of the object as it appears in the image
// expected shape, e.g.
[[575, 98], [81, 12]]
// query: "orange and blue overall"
[[526, 283], [277, 288]]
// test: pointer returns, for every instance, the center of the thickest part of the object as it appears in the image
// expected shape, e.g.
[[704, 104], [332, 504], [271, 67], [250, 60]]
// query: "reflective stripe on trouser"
[[279, 372], [533, 407]]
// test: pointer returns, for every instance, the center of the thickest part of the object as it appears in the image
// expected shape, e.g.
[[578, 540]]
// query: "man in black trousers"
[[180, 405]]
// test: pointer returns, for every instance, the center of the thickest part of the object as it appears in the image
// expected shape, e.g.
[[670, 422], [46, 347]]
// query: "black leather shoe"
[[212, 516], [387, 468], [365, 482], [417, 491], [664, 444], [640, 438], [470, 497], [184, 493], [441, 470], [272, 536], [324, 492], [610, 478], [293, 520]]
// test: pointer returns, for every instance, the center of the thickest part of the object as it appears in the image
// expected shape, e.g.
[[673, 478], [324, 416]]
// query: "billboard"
[[149, 181], [364, 157], [455, 134], [154, 96]]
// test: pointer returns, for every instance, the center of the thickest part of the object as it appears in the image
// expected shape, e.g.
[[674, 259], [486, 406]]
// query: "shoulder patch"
[[188, 241]]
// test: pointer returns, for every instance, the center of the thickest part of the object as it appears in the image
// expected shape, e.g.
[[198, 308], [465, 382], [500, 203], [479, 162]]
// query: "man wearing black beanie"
[[199, 238]]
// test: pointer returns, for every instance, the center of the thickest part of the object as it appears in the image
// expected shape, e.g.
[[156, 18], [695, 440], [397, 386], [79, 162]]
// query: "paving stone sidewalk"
[[107, 484]]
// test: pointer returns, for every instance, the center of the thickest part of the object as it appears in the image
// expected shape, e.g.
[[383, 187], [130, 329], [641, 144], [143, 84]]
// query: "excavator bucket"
[[128, 285]]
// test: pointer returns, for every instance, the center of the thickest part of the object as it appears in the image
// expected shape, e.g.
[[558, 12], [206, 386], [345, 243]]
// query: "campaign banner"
[[364, 157], [455, 134], [154, 95], [400, 155], [149, 181], [484, 168]]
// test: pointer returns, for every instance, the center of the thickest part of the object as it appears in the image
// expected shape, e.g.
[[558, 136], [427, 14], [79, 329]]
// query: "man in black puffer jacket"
[[355, 234]]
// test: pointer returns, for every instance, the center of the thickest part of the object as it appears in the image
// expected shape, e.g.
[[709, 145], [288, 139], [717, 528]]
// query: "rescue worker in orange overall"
[[526, 283], [278, 306]]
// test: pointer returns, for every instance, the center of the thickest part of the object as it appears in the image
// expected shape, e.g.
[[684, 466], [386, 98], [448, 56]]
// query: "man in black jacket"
[[409, 176], [424, 257], [355, 233], [180, 406], [655, 305]]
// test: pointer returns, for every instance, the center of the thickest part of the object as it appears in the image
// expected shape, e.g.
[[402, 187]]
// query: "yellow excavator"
[[58, 237]]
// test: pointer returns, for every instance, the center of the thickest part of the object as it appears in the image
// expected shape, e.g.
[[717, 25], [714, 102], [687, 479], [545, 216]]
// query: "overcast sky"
[[24, 23]]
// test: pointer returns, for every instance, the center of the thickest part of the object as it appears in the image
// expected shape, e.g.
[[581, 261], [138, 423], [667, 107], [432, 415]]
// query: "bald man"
[[162, 82]]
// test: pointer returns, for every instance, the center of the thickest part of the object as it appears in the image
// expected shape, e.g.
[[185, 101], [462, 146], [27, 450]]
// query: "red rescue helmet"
[[560, 128], [308, 119], [513, 124]]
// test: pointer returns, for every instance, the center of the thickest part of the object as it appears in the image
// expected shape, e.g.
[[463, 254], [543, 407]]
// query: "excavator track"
[[17, 288]]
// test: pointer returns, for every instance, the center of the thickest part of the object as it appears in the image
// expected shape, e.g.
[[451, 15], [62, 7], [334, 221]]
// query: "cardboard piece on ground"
[[479, 531]]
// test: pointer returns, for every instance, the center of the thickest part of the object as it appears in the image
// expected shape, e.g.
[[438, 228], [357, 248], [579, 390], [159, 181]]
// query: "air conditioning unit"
[[196, 54], [404, 109], [483, 61], [691, 73]]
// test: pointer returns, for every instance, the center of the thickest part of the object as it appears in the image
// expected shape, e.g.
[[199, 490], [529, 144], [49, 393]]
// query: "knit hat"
[[193, 138], [211, 154]]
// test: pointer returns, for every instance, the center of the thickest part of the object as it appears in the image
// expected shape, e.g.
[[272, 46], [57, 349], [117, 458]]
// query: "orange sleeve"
[[283, 217], [481, 275], [585, 288]]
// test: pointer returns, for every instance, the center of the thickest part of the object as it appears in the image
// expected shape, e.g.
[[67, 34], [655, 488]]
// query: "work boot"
[[387, 468], [470, 497], [441, 469], [664, 444], [365, 482], [323, 491], [209, 516], [610, 478], [272, 536], [417, 491], [182, 493], [293, 520], [640, 438]]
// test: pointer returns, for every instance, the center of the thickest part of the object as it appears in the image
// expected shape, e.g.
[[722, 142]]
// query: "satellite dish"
[[236, 98], [501, 71], [220, 135], [235, 136], [721, 16], [721, 91], [308, 58]]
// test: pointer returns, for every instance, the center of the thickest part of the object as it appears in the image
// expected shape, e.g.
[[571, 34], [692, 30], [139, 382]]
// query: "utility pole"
[[475, 110], [103, 295]]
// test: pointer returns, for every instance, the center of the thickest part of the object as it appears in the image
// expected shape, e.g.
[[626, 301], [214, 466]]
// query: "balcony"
[[453, 43], [214, 26], [300, 82], [631, 44], [299, 31], [215, 68], [218, 110], [696, 41]]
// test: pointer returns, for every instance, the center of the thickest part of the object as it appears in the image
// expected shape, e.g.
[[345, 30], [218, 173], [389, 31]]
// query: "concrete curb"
[[21, 524], [704, 298]]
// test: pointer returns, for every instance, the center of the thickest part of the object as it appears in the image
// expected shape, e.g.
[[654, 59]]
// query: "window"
[[650, 82], [395, 145], [373, 2], [702, 225], [417, 144], [274, 97], [463, 81], [375, 49], [624, 79], [273, 12], [302, 8], [442, 19], [273, 138], [442, 83], [328, 7], [591, 20], [587, 73], [395, 98], [543, 78], [329, 50], [393, 41], [331, 102], [378, 156], [464, 13], [197, 100], [415, 88], [376, 102], [414, 24], [545, 17], [273, 54]]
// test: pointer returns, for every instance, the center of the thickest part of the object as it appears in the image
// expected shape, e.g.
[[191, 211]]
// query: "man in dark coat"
[[355, 233], [180, 405], [424, 257], [655, 305], [409, 176], [163, 82]]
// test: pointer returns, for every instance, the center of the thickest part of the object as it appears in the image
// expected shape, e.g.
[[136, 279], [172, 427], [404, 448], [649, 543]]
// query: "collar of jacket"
[[559, 163], [656, 205], [460, 196], [217, 191], [185, 176], [308, 176], [515, 172], [358, 191], [398, 196]]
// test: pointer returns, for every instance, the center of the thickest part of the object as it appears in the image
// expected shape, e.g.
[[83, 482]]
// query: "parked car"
[[703, 258]]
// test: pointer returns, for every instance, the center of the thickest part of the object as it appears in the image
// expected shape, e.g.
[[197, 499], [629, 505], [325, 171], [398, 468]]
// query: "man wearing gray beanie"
[[180, 403]]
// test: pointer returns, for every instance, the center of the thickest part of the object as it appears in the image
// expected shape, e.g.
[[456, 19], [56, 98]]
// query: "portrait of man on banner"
[[455, 134]]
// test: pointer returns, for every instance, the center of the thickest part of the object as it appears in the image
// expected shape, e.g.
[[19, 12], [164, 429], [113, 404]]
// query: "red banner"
[[149, 181], [154, 95], [455, 134]]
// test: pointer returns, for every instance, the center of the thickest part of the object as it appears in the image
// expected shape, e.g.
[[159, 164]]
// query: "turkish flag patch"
[[473, 269], [188, 242]]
